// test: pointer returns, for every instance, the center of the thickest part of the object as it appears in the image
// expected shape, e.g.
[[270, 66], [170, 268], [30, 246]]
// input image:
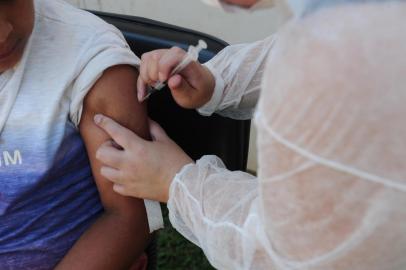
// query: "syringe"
[[191, 55]]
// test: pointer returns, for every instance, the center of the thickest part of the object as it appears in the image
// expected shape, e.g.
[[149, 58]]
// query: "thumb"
[[157, 132], [182, 91], [179, 85]]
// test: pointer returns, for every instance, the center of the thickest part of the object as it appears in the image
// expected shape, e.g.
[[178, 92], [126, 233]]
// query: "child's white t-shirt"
[[48, 197]]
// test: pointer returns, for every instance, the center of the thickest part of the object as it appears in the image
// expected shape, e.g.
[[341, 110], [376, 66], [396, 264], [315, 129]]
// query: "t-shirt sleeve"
[[105, 50]]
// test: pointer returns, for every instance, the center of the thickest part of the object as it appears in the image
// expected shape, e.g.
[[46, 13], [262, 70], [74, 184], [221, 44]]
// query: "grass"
[[175, 252]]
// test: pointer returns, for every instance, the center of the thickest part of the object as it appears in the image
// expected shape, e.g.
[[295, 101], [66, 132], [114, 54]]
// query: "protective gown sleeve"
[[238, 71], [330, 192]]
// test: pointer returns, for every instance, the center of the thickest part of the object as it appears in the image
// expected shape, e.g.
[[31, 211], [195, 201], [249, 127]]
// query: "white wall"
[[233, 28], [193, 14]]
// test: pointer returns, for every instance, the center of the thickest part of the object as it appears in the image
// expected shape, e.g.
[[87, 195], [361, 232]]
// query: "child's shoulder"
[[60, 12]]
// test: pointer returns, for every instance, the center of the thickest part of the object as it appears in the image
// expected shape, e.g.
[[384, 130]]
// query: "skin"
[[155, 162], [121, 234], [16, 25], [191, 88], [145, 169], [15, 32], [242, 3]]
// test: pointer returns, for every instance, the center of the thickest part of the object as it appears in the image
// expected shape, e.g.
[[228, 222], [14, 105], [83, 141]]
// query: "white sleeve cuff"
[[154, 214], [210, 107]]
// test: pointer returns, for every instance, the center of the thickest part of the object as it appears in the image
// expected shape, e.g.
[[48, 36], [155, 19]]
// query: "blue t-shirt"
[[48, 197]]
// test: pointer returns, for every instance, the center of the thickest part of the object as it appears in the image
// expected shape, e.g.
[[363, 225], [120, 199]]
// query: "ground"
[[175, 252]]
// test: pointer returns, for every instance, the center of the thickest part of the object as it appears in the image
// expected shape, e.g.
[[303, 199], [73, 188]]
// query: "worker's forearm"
[[113, 242], [237, 70]]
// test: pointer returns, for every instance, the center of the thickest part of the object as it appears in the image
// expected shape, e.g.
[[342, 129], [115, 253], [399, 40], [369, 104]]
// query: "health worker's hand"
[[140, 168], [192, 88]]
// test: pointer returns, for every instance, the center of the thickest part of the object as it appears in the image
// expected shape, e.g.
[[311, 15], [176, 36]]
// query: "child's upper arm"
[[113, 95]]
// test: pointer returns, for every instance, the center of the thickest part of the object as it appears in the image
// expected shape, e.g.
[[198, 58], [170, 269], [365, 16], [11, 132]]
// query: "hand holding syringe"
[[190, 56]]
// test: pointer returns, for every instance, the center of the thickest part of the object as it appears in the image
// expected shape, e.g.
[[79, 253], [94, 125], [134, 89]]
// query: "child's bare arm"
[[120, 235]]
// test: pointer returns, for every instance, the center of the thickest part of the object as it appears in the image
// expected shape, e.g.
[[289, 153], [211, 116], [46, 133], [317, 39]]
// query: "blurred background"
[[175, 252]]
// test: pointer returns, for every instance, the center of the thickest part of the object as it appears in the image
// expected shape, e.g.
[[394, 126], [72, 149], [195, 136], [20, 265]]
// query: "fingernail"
[[102, 172], [140, 96], [118, 188], [98, 118], [98, 154], [141, 89]]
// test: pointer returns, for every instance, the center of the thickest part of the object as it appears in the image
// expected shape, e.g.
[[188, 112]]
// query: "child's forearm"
[[113, 242]]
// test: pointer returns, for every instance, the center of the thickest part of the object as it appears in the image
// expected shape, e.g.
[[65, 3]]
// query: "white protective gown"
[[330, 192]]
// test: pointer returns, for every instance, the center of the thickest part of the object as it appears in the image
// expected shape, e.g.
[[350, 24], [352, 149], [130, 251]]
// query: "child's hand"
[[191, 88]]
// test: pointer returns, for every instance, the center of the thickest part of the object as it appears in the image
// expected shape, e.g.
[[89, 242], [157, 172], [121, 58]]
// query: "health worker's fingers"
[[175, 81], [152, 67], [169, 61], [118, 133], [147, 60], [182, 91], [144, 68], [157, 132], [121, 190], [111, 174], [109, 156], [141, 89]]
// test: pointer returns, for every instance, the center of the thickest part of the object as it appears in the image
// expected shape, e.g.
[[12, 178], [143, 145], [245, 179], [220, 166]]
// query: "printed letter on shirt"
[[12, 159]]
